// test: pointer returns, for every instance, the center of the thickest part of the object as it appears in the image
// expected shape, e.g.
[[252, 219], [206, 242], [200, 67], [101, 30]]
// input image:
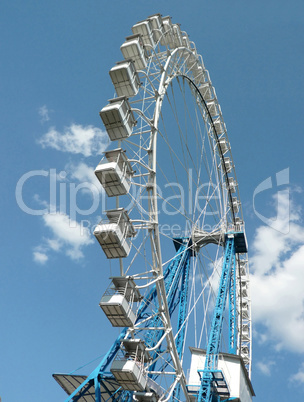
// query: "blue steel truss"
[[232, 309], [207, 392], [176, 276]]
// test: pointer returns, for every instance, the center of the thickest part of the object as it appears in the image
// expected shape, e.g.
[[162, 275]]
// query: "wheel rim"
[[157, 197]]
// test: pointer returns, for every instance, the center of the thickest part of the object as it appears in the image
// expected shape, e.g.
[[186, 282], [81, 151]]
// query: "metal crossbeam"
[[177, 269], [182, 313], [207, 390], [232, 310]]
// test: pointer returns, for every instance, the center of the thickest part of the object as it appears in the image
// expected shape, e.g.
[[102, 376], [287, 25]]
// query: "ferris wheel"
[[173, 231]]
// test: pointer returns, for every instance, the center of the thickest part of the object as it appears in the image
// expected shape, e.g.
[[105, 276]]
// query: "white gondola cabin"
[[245, 309], [144, 28], [157, 26], [114, 234], [235, 205], [192, 61], [185, 40], [114, 173], [125, 78], [145, 397], [118, 301], [212, 107], [128, 367], [168, 31], [232, 184], [245, 332], [228, 164], [206, 91], [198, 74], [244, 287], [133, 49], [177, 38], [118, 118], [219, 126], [223, 145]]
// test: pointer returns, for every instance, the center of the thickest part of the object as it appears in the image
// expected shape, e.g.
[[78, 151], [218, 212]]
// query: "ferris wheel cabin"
[[114, 173]]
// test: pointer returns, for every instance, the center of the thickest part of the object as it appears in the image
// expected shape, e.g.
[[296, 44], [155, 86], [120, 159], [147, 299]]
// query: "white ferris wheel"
[[174, 233]]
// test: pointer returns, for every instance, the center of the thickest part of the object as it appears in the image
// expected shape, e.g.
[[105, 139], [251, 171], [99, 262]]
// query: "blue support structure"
[[183, 299], [207, 392], [182, 314], [176, 275], [178, 268], [232, 310]]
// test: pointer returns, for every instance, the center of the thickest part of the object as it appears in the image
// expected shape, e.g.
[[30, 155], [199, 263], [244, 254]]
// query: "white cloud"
[[39, 257], [67, 233], [53, 244], [277, 282], [299, 376], [76, 139], [85, 175], [265, 368], [68, 236], [44, 113]]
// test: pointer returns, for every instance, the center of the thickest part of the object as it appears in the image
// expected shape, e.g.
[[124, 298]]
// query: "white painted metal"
[[118, 118], [231, 181], [118, 301], [118, 310], [206, 91], [173, 56], [114, 173], [129, 374], [144, 28], [145, 397], [114, 235], [224, 148], [125, 78], [234, 372], [218, 125], [228, 164], [157, 26], [133, 49], [235, 204]]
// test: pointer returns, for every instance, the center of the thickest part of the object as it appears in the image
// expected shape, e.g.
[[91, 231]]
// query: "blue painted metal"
[[207, 393], [182, 314], [233, 331], [179, 267], [179, 264], [183, 304], [171, 279], [176, 277], [97, 390]]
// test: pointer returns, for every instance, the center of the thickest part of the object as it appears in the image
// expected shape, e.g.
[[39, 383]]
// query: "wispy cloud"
[[67, 233], [265, 367], [277, 282], [84, 174], [299, 376], [40, 257], [44, 114], [76, 139]]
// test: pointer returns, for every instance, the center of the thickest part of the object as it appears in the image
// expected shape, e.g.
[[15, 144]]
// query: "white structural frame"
[[172, 58]]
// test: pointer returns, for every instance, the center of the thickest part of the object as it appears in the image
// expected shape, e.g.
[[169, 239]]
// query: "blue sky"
[[54, 80]]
